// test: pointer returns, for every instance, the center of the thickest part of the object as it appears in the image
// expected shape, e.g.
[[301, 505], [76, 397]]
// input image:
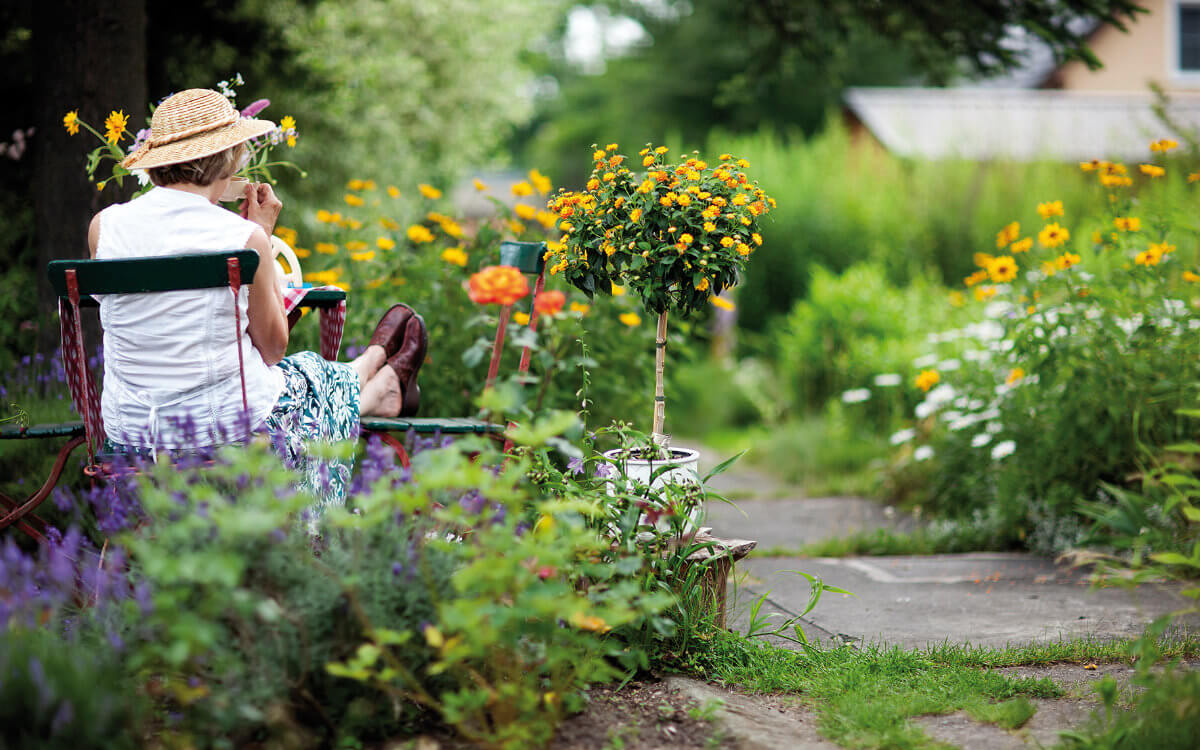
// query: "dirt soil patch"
[[642, 716]]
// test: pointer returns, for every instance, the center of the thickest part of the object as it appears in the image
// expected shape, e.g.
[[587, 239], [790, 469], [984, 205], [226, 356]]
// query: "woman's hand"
[[261, 206]]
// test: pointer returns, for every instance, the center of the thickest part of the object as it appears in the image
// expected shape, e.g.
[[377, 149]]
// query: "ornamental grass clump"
[[676, 234]]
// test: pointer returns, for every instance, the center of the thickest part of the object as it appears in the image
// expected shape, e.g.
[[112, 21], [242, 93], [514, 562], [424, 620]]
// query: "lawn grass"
[[865, 697]]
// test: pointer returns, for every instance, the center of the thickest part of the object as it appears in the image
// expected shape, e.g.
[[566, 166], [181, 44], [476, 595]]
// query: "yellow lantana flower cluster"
[[678, 233]]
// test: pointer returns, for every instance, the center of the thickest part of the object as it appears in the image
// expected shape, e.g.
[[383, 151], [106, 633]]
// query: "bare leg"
[[368, 363], [382, 395]]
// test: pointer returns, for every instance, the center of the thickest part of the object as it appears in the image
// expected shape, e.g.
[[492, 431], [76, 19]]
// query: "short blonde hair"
[[203, 171]]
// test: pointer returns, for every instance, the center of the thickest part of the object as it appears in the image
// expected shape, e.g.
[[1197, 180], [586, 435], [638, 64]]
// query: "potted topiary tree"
[[675, 234]]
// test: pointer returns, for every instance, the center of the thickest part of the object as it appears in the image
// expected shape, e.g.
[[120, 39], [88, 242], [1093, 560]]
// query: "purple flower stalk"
[[255, 107]]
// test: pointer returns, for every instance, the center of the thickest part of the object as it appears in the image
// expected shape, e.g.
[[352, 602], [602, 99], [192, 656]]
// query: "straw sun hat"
[[192, 124]]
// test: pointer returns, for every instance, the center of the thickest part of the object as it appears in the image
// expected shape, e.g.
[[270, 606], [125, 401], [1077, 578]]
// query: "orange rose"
[[550, 303], [497, 285]]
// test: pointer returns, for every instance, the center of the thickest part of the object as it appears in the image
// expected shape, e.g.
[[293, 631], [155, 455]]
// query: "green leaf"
[[721, 467], [1174, 558]]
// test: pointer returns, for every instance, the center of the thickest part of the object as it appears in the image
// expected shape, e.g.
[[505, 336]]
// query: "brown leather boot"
[[390, 330], [407, 362]]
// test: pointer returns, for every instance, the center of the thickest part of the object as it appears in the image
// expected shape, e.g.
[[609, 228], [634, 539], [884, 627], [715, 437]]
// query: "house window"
[[1189, 38]]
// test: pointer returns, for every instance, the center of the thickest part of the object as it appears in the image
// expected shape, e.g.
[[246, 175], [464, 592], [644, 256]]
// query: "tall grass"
[[843, 199]]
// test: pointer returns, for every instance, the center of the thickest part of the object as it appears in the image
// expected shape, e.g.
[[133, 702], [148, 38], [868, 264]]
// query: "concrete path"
[[988, 599], [984, 599]]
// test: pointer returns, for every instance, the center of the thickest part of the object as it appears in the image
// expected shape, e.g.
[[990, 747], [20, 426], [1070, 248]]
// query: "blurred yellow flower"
[[1021, 246], [957, 298], [418, 233], [324, 216], [525, 211], [1014, 375], [516, 227], [368, 255], [546, 218], [982, 259], [390, 224], [326, 248], [1112, 180], [376, 283], [541, 182], [520, 318], [927, 379], [286, 234], [1163, 145], [385, 243], [978, 277], [352, 199], [1066, 260], [589, 622], [455, 256], [630, 319], [522, 188], [301, 252], [1152, 169], [1128, 223], [1052, 235], [352, 223], [617, 290], [579, 307], [393, 191], [479, 184], [1002, 270], [114, 126], [661, 150], [356, 245], [1050, 208], [721, 303], [1148, 258], [1049, 268], [983, 293], [355, 184], [1191, 278], [1194, 176], [429, 191]]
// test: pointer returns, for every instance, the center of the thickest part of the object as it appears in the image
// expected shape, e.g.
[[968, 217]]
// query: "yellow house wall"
[[1133, 59]]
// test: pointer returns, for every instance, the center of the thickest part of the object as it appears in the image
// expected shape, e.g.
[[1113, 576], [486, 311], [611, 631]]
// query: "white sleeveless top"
[[172, 356]]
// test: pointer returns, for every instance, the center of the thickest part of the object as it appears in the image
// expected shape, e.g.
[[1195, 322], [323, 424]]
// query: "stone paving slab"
[[794, 523], [989, 599]]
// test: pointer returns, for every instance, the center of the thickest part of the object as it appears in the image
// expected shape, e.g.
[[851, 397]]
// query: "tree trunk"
[[660, 396], [91, 56]]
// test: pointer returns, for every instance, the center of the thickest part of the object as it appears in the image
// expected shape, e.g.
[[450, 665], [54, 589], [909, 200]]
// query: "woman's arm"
[[94, 235], [268, 326]]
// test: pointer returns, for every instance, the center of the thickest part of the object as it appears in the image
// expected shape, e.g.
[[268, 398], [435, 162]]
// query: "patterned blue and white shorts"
[[319, 404]]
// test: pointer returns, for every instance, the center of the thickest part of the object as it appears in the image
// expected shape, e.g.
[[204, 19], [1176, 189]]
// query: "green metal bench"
[[75, 281]]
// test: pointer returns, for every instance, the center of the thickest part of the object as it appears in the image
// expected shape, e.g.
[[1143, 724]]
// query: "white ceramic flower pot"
[[685, 469]]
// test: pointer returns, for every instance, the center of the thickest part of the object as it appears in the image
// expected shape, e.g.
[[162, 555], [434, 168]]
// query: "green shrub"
[[1087, 357], [64, 693], [850, 328]]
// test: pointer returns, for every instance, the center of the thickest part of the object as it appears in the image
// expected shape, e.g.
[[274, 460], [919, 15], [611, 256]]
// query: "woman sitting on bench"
[[171, 373]]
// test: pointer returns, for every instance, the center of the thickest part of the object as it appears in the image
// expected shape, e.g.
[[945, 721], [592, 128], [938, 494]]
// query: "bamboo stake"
[[660, 396]]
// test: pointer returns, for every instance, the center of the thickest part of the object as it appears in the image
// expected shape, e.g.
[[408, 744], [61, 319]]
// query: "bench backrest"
[[164, 273]]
